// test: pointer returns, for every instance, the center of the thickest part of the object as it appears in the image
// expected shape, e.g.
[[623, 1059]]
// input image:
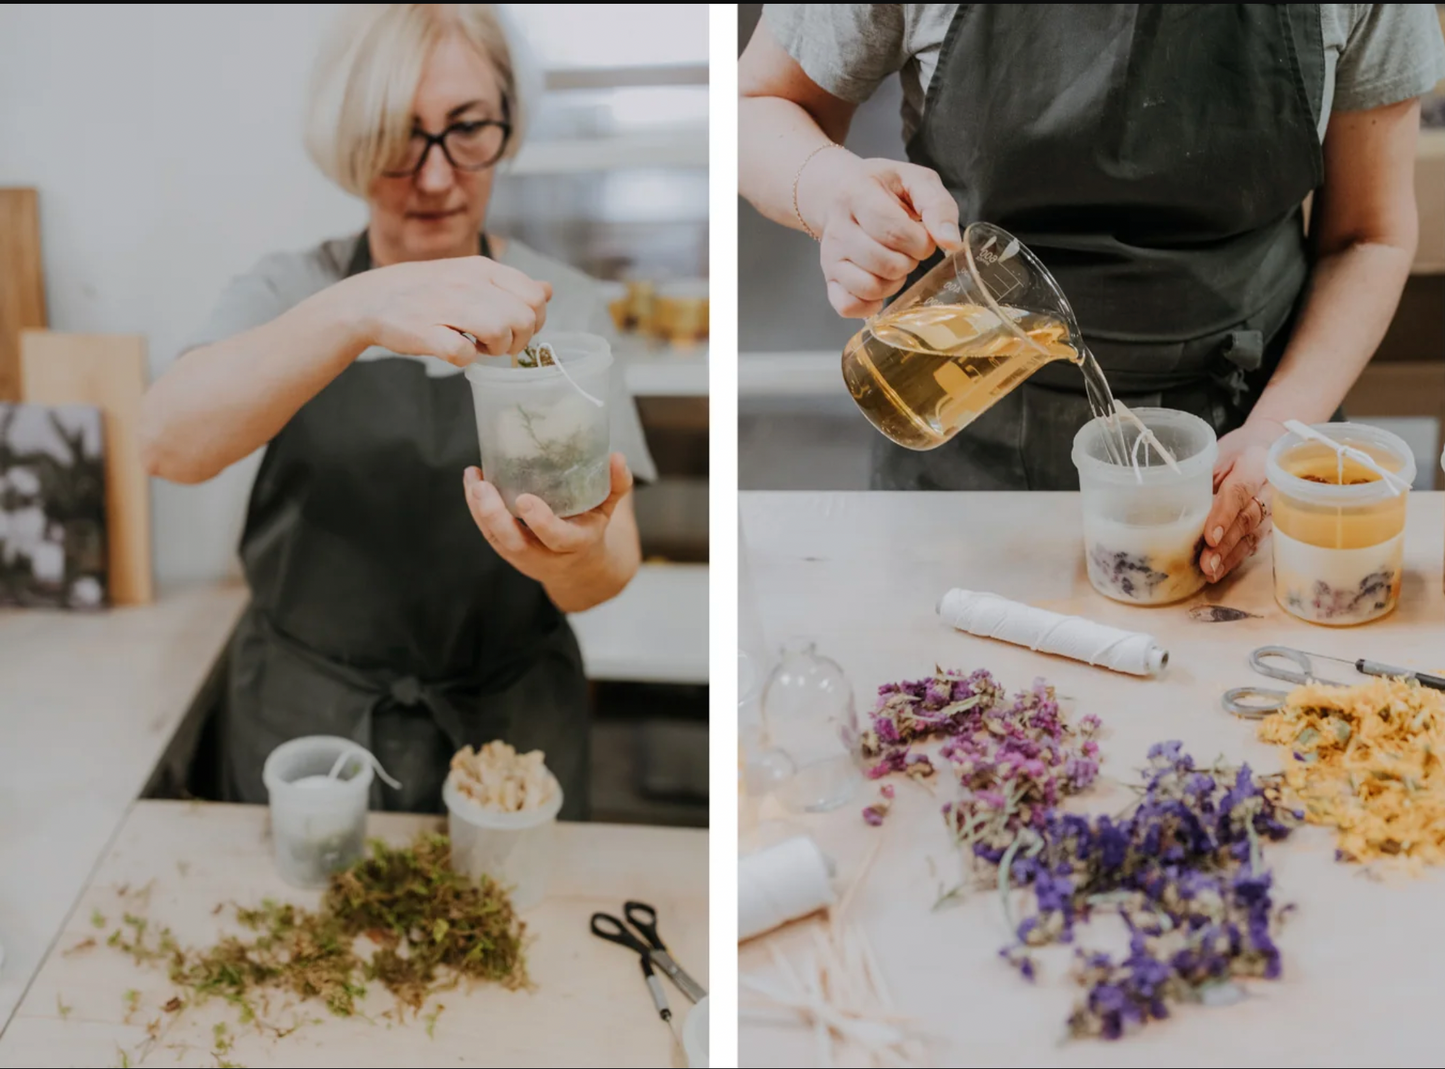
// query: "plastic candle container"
[[318, 824], [538, 434], [514, 849], [1339, 529], [1144, 528]]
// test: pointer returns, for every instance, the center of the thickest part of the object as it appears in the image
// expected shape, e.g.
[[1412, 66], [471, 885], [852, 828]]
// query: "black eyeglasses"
[[470, 145]]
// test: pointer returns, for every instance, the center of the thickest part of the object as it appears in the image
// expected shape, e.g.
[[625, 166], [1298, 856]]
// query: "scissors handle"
[[1263, 661], [1254, 703], [606, 926], [644, 918]]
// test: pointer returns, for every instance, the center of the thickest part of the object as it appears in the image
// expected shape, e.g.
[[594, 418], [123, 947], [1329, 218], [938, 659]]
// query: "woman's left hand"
[[1239, 519], [548, 549]]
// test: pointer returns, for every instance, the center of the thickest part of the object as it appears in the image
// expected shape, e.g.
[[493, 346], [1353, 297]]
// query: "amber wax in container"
[[1339, 526]]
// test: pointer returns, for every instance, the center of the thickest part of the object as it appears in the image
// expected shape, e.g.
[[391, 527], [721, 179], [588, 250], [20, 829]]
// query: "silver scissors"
[[1256, 703]]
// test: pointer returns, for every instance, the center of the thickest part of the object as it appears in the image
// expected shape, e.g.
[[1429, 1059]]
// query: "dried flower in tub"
[[498, 777]]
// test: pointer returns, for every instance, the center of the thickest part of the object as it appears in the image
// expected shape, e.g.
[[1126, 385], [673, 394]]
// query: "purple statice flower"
[[1180, 868]]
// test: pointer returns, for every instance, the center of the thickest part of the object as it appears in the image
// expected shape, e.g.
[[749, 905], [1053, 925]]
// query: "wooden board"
[[109, 371], [590, 1005], [22, 284]]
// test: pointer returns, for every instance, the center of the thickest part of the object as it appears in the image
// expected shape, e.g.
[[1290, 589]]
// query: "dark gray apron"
[[378, 610], [1154, 157]]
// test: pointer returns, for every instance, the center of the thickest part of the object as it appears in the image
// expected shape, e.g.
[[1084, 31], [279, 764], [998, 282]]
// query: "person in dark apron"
[[1156, 158], [394, 601]]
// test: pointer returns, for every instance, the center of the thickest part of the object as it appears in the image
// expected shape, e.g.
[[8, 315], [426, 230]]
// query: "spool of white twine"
[[990, 616], [783, 882]]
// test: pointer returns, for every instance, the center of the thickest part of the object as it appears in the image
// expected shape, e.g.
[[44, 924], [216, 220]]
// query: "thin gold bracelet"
[[798, 178]]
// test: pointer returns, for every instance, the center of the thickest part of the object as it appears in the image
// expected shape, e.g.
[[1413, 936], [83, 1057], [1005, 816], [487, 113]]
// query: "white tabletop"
[[862, 573]]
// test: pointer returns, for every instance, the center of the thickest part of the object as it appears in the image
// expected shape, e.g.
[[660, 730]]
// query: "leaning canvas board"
[[52, 507]]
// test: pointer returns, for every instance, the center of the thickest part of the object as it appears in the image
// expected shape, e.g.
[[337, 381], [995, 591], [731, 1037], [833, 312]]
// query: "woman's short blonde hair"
[[360, 113]]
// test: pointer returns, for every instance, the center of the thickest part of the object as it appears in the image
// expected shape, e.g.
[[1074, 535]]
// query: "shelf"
[[655, 370], [655, 631], [686, 147], [565, 78], [796, 374]]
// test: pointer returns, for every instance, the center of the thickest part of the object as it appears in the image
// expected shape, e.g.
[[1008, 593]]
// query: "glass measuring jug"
[[975, 326]]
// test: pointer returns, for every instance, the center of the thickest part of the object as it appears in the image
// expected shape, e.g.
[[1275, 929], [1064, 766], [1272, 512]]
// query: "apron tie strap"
[[1244, 349]]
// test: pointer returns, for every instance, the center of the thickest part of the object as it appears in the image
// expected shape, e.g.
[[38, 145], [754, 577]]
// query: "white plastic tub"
[[514, 849], [318, 827], [1144, 530], [694, 1035], [538, 434], [1338, 549]]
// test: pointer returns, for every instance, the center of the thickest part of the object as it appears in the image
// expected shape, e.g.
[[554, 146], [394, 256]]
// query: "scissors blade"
[[674, 972]]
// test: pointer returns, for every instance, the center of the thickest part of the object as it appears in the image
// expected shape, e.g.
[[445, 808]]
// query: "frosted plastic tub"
[[1338, 550], [317, 828], [1144, 531], [514, 849], [694, 1035], [538, 434]]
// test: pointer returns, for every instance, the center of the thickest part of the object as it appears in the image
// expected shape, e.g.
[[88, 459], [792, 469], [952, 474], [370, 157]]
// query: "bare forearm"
[[1351, 301], [616, 562], [775, 137], [219, 403]]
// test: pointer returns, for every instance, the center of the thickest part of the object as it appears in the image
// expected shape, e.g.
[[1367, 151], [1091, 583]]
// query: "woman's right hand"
[[422, 307], [878, 220]]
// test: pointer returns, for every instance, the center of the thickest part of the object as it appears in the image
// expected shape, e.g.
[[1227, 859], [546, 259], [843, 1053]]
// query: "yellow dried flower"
[[1367, 761]]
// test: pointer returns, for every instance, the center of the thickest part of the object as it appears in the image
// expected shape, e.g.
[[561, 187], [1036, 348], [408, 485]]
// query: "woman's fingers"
[[1243, 549], [621, 484], [1238, 514], [450, 345], [884, 218], [932, 203], [848, 306], [862, 284], [851, 243], [500, 528], [560, 536]]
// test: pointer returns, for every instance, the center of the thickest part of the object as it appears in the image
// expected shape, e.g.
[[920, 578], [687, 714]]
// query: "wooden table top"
[[590, 1005], [862, 573]]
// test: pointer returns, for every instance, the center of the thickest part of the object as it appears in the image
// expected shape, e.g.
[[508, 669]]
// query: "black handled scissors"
[[647, 943]]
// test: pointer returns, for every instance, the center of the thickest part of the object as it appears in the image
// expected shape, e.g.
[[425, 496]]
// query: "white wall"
[[165, 142]]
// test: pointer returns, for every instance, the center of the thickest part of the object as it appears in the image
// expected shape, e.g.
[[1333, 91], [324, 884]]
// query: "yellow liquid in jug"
[[922, 374]]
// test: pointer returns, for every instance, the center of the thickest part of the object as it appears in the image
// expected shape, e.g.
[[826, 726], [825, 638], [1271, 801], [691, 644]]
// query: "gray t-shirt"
[[1375, 54], [283, 280]]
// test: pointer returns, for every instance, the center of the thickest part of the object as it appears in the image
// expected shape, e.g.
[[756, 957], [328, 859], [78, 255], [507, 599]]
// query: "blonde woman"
[[395, 600]]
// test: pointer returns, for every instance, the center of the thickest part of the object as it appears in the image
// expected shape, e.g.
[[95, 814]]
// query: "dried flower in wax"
[[1366, 760], [1182, 869]]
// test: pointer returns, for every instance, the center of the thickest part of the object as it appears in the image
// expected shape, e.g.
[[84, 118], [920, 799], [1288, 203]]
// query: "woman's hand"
[[581, 560], [420, 308], [877, 220], [1239, 519]]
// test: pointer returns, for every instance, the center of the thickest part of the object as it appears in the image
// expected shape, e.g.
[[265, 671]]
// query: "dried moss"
[[430, 926]]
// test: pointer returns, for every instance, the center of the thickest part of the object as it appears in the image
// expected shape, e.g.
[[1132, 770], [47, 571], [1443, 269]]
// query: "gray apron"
[[1154, 157], [378, 610]]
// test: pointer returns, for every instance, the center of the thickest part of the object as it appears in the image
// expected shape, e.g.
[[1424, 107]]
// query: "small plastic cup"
[[1144, 529], [318, 824], [1338, 548], [538, 434], [514, 849]]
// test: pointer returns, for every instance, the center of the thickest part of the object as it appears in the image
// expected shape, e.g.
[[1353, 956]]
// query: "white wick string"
[[365, 756], [990, 616], [1146, 436], [561, 366], [1396, 484]]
